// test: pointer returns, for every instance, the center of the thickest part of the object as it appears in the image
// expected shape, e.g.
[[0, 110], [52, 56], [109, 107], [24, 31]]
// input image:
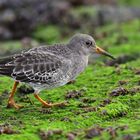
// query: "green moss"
[[98, 81], [120, 38], [9, 47], [116, 109], [49, 34], [129, 2], [82, 10], [97, 84]]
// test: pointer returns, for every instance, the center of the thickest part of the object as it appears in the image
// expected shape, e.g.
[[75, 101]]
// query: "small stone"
[[122, 82], [112, 131], [71, 136], [74, 94], [93, 132], [119, 91], [128, 137]]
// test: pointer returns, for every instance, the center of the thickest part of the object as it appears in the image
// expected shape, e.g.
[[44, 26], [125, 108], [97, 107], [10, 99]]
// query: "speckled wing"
[[35, 66]]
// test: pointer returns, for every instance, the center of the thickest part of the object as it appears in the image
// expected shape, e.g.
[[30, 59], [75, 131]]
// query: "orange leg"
[[45, 104], [11, 102]]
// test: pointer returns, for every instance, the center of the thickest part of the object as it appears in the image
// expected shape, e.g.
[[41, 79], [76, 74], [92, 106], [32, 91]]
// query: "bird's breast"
[[79, 65]]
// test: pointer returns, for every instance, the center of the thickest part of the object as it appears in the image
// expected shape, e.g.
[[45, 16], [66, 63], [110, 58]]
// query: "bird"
[[49, 66]]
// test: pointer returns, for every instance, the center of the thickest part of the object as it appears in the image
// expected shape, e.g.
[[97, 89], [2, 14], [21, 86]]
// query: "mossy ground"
[[97, 82]]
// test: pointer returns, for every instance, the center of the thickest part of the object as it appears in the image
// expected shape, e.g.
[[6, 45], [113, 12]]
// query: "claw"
[[12, 104], [49, 105]]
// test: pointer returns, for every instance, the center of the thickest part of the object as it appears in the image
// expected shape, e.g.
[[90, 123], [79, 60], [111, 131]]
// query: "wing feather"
[[34, 66]]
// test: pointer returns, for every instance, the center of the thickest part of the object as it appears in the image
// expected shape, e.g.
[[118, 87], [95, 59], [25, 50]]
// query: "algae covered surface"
[[103, 102]]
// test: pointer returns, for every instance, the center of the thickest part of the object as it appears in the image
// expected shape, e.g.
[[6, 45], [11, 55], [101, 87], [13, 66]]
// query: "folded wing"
[[35, 67]]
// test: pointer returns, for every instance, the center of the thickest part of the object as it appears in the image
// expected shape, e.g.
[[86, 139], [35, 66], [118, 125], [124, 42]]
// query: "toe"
[[14, 105], [63, 104], [17, 106]]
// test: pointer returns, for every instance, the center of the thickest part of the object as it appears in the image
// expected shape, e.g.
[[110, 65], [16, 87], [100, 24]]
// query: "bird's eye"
[[88, 43]]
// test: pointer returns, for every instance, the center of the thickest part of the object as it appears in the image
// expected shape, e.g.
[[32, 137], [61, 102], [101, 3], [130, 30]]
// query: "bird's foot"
[[12, 104], [49, 105]]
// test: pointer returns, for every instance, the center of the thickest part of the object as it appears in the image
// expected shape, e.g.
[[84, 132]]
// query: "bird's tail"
[[6, 69]]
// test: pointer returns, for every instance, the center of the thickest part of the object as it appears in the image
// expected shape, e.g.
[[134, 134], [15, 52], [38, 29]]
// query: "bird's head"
[[86, 44]]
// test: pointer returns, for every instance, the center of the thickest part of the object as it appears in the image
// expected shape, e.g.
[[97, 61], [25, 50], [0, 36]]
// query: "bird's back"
[[42, 65], [4, 70], [50, 66]]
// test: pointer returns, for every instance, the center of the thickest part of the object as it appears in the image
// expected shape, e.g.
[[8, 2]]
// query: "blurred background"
[[105, 97], [27, 23]]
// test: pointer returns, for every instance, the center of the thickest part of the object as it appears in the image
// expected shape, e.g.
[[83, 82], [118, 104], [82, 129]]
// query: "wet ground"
[[103, 102]]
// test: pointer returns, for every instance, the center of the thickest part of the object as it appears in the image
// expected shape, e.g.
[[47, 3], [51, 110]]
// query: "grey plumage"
[[49, 66]]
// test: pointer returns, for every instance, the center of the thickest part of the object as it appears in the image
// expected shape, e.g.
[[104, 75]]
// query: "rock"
[[122, 82], [71, 136], [118, 14], [74, 94], [89, 2], [19, 18], [5, 33], [122, 59], [127, 137], [47, 135], [113, 132], [93, 132], [6, 129], [119, 91]]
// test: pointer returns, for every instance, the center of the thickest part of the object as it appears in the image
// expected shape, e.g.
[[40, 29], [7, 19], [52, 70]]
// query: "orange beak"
[[103, 52]]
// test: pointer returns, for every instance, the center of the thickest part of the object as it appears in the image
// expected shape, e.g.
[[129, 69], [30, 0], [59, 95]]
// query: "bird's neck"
[[78, 50]]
